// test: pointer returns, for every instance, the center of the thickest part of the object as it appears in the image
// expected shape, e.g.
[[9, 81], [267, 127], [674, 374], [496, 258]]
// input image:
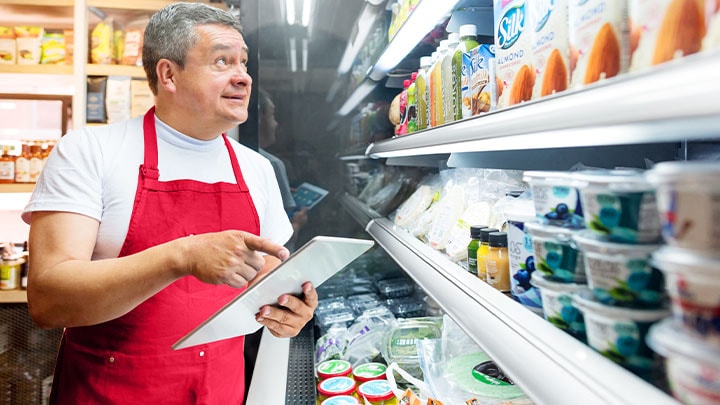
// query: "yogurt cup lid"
[[341, 400], [549, 231], [337, 386], [376, 390], [672, 259], [588, 241], [618, 180], [539, 280], [686, 172], [368, 371], [585, 302], [667, 338], [537, 177]]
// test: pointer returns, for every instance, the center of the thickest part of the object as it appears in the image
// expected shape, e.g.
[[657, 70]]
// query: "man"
[[140, 230]]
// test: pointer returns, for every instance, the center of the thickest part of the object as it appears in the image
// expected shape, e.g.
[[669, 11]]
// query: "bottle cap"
[[467, 30], [454, 38], [475, 231], [485, 232], [406, 83], [413, 76], [425, 61], [498, 239]]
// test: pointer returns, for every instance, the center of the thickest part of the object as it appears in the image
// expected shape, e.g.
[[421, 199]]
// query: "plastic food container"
[[556, 200], [555, 256], [335, 386], [619, 205], [400, 344], [688, 199], [520, 255], [369, 371], [619, 333], [333, 368], [395, 287], [377, 392], [692, 365], [558, 306], [621, 274], [693, 284]]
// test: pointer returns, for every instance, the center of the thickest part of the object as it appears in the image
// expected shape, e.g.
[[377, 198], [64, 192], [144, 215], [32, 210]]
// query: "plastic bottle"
[[22, 164], [423, 93], [36, 162], [403, 127], [438, 117], [7, 166], [431, 90], [473, 247], [497, 262], [468, 41], [412, 105], [446, 77], [482, 252]]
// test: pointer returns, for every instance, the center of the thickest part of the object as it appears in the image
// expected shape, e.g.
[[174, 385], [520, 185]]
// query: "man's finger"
[[255, 242]]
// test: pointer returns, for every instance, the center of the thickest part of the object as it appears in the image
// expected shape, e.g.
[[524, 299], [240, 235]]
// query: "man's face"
[[214, 87]]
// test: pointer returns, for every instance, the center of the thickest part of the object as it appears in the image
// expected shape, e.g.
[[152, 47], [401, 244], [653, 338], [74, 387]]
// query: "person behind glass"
[[267, 136], [142, 229]]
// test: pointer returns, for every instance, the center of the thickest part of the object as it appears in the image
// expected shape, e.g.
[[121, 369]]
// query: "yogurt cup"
[[341, 400], [333, 368], [555, 256], [619, 333], [621, 274], [693, 284], [556, 200], [688, 200], [692, 365], [619, 205], [558, 306], [520, 255], [369, 371], [377, 392], [335, 386]]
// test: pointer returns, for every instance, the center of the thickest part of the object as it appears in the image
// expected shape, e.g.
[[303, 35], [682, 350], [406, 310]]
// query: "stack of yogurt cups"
[[626, 293], [559, 271], [688, 198]]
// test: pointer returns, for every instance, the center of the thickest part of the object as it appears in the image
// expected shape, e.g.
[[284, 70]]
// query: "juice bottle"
[[446, 74], [438, 117], [412, 105], [482, 252], [497, 263], [468, 41], [473, 248], [22, 164], [423, 93], [403, 127], [431, 90]]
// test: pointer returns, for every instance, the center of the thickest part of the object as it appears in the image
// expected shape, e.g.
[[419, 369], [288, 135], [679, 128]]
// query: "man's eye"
[[221, 61]]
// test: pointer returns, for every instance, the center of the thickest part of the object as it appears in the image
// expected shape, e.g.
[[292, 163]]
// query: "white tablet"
[[316, 261], [308, 195]]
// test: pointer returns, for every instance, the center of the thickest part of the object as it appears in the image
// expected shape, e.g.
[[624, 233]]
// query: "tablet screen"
[[308, 195]]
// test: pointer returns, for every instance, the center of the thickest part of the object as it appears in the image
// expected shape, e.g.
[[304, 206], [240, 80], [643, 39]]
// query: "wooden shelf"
[[115, 70], [44, 3], [17, 187], [150, 5], [13, 296], [49, 69]]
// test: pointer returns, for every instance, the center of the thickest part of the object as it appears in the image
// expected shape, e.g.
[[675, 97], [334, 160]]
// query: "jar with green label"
[[334, 368], [369, 372]]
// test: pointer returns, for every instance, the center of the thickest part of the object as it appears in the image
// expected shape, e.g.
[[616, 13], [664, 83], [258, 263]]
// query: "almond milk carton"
[[599, 40], [513, 57], [550, 46], [662, 30]]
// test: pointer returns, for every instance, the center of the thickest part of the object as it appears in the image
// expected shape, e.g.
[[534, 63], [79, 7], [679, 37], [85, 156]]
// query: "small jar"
[[497, 262], [10, 273], [482, 252], [334, 368], [369, 372], [341, 400], [335, 386], [473, 248], [377, 392]]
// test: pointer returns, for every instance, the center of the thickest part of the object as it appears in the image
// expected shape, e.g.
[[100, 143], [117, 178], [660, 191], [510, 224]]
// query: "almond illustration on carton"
[[522, 85], [604, 58], [555, 76], [681, 31]]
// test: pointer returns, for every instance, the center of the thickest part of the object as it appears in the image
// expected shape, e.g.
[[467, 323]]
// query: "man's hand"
[[291, 314]]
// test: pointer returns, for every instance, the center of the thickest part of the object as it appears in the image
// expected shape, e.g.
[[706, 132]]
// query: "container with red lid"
[[369, 371], [335, 386], [377, 392], [334, 368]]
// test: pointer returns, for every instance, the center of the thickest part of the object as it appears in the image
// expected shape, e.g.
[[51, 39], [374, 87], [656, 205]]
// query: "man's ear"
[[166, 71]]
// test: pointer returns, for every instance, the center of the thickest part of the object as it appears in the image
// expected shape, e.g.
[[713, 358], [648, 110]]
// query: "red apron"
[[129, 360]]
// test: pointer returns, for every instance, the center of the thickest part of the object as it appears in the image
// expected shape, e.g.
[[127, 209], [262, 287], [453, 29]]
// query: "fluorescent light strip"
[[364, 23], [304, 54], [361, 91], [290, 11], [422, 20], [306, 12], [293, 55]]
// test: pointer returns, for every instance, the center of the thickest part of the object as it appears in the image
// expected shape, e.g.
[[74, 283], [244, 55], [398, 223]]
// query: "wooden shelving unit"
[[13, 296]]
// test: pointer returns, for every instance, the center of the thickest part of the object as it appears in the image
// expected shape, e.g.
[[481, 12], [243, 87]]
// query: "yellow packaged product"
[[101, 43], [29, 44], [7, 46], [53, 48]]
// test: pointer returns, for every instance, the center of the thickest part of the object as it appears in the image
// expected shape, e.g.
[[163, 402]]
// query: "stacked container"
[[688, 197]]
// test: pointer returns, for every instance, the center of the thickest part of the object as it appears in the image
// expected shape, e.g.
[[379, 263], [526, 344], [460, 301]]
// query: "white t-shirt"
[[282, 179], [94, 171]]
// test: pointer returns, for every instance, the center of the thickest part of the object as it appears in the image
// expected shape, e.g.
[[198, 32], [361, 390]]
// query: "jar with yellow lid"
[[335, 386], [377, 392], [10, 273]]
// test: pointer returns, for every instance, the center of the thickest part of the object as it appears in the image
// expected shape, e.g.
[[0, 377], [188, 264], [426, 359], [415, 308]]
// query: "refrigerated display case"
[[632, 120]]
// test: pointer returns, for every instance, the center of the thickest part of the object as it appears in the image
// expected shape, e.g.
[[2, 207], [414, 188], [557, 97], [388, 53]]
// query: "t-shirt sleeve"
[[71, 180]]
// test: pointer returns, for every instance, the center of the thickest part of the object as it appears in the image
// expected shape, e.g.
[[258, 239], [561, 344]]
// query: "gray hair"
[[170, 34]]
